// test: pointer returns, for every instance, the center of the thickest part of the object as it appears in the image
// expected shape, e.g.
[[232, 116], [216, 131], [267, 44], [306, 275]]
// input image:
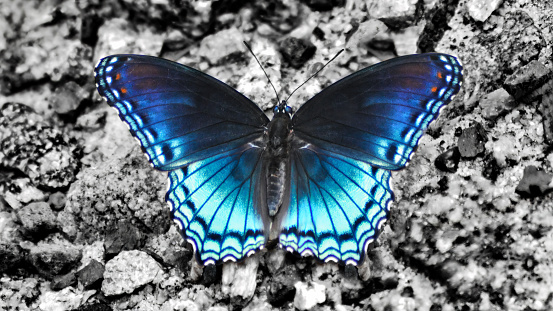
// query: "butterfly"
[[317, 180]]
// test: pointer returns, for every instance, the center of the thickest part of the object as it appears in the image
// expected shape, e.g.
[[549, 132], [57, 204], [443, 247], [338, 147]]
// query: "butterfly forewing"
[[179, 115], [378, 114]]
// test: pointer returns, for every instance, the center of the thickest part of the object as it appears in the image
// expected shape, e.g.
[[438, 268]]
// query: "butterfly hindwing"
[[336, 206], [215, 203], [178, 114], [378, 114]]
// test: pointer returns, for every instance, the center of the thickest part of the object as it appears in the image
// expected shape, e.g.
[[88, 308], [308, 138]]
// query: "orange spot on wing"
[[118, 76], [434, 89], [439, 75], [123, 90]]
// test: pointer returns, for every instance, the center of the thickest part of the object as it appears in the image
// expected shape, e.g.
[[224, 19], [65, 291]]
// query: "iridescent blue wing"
[[208, 136], [336, 206], [214, 200], [178, 114], [378, 114], [347, 139]]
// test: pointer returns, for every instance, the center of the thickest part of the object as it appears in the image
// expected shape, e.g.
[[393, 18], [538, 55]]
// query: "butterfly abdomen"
[[277, 155]]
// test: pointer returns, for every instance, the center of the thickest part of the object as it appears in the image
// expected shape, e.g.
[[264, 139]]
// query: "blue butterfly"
[[317, 180]]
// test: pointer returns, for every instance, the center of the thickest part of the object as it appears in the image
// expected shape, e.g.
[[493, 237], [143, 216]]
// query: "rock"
[[239, 279], [520, 43], [21, 191], [547, 110], [123, 236], [118, 35], [68, 97], [472, 140], [131, 191], [128, 271], [296, 51], [38, 220], [44, 152], [527, 79], [534, 183], [496, 103], [308, 295], [57, 201], [405, 40], [91, 274], [433, 31], [369, 33], [60, 282], [323, 5], [16, 293], [14, 261], [480, 10], [99, 306], [449, 160], [222, 45], [54, 259], [66, 299], [395, 13]]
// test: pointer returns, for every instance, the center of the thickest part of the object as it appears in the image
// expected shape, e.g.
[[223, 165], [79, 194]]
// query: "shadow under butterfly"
[[317, 180]]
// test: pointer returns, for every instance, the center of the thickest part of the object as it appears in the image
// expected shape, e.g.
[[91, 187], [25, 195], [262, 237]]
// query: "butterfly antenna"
[[271, 83], [340, 52]]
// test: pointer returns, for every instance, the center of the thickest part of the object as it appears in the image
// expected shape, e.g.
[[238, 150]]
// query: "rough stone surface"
[[123, 236], [480, 10], [44, 152], [463, 238], [535, 183], [52, 259], [38, 220], [66, 299], [496, 103], [14, 259], [128, 271], [392, 12], [449, 160], [211, 49], [527, 79], [472, 141], [308, 295], [60, 282], [238, 279], [91, 274]]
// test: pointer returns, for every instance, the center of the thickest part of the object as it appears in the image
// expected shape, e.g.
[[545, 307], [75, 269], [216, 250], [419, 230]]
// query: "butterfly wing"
[[336, 207], [208, 136], [179, 115], [347, 139], [378, 114]]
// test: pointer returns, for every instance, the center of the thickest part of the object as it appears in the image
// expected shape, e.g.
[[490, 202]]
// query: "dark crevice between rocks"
[[438, 19]]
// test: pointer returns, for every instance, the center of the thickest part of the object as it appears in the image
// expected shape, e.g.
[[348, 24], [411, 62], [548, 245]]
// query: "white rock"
[[308, 295], [239, 279], [480, 10], [128, 271]]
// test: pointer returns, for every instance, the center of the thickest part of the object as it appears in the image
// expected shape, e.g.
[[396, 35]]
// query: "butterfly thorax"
[[277, 155]]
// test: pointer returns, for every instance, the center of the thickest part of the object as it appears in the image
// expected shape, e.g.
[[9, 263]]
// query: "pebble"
[[128, 271]]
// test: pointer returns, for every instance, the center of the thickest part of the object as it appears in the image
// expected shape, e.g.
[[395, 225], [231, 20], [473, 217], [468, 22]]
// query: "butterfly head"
[[282, 109]]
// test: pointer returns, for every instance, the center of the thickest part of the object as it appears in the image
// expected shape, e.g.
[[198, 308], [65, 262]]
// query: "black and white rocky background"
[[83, 225]]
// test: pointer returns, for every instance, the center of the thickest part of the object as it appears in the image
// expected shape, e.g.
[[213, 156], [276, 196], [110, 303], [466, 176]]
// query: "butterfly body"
[[277, 156], [317, 180]]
